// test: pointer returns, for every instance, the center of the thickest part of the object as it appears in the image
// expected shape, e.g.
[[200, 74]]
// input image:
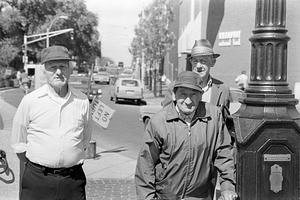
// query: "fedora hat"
[[54, 53], [203, 47], [189, 79]]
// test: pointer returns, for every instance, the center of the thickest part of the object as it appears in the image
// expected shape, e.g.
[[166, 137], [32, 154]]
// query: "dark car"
[[85, 85]]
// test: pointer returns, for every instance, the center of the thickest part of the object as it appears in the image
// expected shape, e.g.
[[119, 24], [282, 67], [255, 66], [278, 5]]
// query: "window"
[[130, 83]]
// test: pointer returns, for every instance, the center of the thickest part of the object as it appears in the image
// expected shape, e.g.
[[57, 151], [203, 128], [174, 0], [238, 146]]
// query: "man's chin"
[[58, 84], [188, 111]]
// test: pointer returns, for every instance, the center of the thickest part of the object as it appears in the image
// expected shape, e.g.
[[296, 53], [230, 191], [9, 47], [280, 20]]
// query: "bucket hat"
[[189, 79], [203, 47], [54, 53]]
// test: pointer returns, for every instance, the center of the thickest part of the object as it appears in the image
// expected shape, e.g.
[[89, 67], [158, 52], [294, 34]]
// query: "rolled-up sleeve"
[[146, 162], [19, 128], [224, 160]]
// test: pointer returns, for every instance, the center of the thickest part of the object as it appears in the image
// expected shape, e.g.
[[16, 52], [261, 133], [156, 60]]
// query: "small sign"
[[101, 113], [277, 157], [8, 72]]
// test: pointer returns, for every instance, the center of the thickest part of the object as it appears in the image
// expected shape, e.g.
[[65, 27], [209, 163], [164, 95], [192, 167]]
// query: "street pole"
[[25, 60], [47, 37], [48, 29]]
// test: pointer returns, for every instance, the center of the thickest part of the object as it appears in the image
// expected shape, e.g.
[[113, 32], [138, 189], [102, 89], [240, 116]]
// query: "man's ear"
[[71, 67], [214, 61]]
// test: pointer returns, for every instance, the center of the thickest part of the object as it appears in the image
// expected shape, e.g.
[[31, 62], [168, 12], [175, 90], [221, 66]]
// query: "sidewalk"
[[109, 176]]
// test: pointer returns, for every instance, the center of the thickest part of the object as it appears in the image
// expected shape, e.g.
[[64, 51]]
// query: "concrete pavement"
[[109, 175]]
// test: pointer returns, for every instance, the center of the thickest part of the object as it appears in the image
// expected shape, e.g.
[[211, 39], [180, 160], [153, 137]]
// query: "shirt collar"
[[208, 85], [45, 90]]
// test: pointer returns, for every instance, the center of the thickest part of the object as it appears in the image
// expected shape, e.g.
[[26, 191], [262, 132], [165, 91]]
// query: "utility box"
[[91, 151], [268, 159]]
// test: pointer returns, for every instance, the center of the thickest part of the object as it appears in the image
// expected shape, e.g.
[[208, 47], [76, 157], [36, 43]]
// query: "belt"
[[59, 171]]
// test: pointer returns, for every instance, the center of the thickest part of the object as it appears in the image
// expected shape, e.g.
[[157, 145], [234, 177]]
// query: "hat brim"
[[56, 59], [189, 86], [215, 55]]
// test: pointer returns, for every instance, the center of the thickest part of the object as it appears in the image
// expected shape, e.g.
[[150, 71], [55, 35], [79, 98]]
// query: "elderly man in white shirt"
[[51, 131]]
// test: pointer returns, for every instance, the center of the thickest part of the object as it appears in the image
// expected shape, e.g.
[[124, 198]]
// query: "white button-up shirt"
[[53, 131]]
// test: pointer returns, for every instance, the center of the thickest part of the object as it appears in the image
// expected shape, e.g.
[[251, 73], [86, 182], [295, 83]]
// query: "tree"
[[153, 37], [8, 52], [35, 16]]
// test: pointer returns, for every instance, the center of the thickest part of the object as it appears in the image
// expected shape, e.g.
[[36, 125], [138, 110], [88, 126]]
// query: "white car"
[[127, 89], [101, 77]]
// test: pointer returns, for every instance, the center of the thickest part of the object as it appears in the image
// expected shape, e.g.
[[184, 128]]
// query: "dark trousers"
[[40, 183]]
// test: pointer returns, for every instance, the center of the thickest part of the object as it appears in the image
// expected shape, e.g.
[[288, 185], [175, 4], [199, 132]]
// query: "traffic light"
[[120, 64]]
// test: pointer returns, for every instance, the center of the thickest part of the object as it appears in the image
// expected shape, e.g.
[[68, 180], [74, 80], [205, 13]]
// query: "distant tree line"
[[153, 37], [30, 17]]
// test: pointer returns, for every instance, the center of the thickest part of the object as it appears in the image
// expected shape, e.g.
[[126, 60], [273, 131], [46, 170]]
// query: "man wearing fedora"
[[202, 59], [51, 131], [182, 144]]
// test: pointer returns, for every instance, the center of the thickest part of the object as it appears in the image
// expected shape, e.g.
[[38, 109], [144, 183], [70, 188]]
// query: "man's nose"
[[58, 71], [188, 100]]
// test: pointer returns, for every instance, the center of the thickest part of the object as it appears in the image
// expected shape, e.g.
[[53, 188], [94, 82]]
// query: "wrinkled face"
[[57, 73], [187, 99], [202, 65]]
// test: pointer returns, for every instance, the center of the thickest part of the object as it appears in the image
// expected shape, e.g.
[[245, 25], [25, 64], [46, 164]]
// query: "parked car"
[[101, 77], [84, 85], [127, 73], [147, 111], [127, 89]]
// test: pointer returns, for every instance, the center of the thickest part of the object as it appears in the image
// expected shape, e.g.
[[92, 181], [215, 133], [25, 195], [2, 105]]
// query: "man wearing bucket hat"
[[182, 144], [51, 131]]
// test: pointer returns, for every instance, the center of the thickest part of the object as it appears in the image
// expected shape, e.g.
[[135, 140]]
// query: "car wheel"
[[146, 121], [111, 98]]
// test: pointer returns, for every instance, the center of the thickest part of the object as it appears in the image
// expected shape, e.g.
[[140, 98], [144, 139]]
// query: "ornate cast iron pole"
[[267, 124]]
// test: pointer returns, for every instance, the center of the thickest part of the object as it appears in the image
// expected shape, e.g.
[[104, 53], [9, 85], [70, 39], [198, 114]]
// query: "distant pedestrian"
[[242, 80], [182, 144], [50, 133], [24, 81], [18, 76]]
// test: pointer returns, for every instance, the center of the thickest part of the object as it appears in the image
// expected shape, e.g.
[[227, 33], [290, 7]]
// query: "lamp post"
[[52, 22]]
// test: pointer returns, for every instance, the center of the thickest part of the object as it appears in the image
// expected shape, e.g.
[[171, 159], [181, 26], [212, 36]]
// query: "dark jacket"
[[177, 160]]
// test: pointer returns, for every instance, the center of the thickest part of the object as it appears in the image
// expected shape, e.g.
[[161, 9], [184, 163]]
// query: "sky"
[[116, 22]]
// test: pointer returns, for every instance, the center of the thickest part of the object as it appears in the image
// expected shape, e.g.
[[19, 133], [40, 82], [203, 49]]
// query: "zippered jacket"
[[177, 159]]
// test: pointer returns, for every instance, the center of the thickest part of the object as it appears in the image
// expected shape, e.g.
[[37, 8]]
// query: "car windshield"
[[130, 83], [102, 69]]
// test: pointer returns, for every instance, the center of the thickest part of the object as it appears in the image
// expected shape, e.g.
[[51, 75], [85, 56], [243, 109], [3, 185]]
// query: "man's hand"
[[228, 195]]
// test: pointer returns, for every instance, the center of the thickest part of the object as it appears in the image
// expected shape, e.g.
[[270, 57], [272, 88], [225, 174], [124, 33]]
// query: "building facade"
[[228, 25]]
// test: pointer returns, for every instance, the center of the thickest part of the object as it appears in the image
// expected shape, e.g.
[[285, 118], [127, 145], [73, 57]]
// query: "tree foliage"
[[152, 34], [30, 17]]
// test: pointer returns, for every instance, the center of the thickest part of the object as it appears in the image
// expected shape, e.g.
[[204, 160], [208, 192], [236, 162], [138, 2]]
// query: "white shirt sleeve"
[[19, 128]]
